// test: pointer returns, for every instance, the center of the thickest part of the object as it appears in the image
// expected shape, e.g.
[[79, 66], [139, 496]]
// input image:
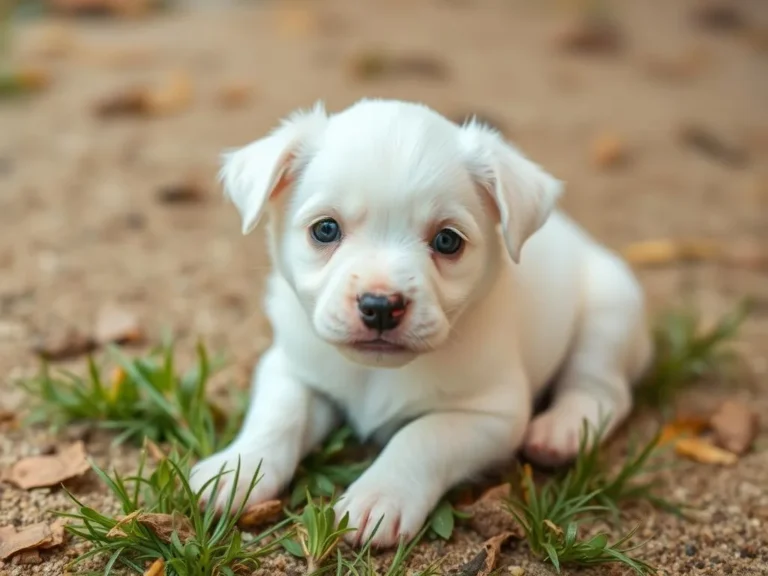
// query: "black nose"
[[381, 311]]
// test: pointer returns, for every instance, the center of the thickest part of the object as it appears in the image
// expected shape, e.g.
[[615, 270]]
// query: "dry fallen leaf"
[[156, 569], [718, 16], [489, 515], [12, 542], [45, 471], [185, 192], [735, 426], [371, 65], [234, 95], [702, 451], [680, 427], [591, 36], [115, 325], [164, 525], [258, 514], [484, 564], [710, 144], [295, 21], [608, 151], [124, 8], [667, 251], [69, 344], [171, 97]]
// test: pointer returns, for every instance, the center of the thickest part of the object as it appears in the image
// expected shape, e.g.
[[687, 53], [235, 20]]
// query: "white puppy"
[[422, 290]]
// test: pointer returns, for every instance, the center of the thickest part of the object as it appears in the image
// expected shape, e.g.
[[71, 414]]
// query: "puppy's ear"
[[258, 172], [523, 192]]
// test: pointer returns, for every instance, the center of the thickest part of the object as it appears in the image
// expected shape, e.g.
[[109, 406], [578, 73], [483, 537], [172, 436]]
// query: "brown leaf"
[[500, 492], [185, 192], [295, 21], [485, 562], [258, 514], [171, 97], [609, 151], [591, 36], [670, 251], [489, 515], [376, 64], [69, 344], [44, 471], [58, 535], [163, 525], [493, 549], [685, 426], [234, 95], [156, 569], [154, 450], [735, 426], [718, 16], [704, 452], [29, 537], [116, 325], [710, 144], [124, 8]]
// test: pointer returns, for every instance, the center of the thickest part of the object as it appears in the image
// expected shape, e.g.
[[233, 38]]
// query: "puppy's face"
[[385, 220]]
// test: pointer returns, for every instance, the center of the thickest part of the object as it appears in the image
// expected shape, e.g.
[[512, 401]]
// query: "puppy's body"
[[450, 385]]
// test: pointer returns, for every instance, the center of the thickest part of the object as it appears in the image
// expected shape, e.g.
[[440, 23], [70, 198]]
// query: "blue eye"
[[326, 231], [447, 242]]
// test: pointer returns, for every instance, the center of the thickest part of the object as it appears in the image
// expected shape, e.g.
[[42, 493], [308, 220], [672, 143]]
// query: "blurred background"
[[113, 114]]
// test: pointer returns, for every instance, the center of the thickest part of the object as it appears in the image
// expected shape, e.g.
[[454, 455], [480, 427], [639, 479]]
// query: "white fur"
[[530, 297]]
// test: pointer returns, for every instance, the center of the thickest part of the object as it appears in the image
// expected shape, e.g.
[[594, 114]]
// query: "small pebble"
[[690, 550]]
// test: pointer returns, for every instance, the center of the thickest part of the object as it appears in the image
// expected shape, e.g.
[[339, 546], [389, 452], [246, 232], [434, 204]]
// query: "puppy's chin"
[[377, 358]]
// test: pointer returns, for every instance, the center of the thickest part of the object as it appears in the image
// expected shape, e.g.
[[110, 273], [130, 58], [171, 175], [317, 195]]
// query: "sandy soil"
[[81, 224]]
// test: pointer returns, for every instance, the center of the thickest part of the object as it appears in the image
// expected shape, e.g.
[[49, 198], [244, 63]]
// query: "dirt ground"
[[82, 225]]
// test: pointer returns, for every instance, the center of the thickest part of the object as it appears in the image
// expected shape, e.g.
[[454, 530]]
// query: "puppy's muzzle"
[[381, 312]]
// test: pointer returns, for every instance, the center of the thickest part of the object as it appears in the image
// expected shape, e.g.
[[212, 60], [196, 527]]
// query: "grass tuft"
[[328, 469], [199, 542], [143, 398], [685, 353]]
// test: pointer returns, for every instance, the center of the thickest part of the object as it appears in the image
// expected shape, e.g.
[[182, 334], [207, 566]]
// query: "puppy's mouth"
[[379, 346]]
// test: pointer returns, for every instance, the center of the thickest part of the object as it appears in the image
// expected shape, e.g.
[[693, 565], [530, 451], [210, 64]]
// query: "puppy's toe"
[[203, 476], [552, 439], [383, 515]]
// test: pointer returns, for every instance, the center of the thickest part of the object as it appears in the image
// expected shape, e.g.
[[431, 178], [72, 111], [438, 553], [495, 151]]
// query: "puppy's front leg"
[[285, 420], [419, 464]]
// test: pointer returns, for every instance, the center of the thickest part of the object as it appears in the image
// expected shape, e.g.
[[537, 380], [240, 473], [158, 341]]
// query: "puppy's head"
[[387, 219]]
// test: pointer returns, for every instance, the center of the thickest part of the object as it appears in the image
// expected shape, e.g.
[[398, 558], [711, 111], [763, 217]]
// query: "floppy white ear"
[[255, 173], [523, 192]]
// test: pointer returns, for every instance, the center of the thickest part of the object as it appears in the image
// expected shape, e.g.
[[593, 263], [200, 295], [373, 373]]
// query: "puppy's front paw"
[[552, 439], [251, 463], [389, 508]]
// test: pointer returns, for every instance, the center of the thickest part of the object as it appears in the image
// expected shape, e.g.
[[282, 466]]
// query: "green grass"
[[552, 515], [147, 399], [144, 398], [685, 353], [211, 546], [328, 469]]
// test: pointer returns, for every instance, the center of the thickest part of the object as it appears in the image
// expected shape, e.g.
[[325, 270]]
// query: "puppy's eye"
[[326, 231], [447, 242]]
